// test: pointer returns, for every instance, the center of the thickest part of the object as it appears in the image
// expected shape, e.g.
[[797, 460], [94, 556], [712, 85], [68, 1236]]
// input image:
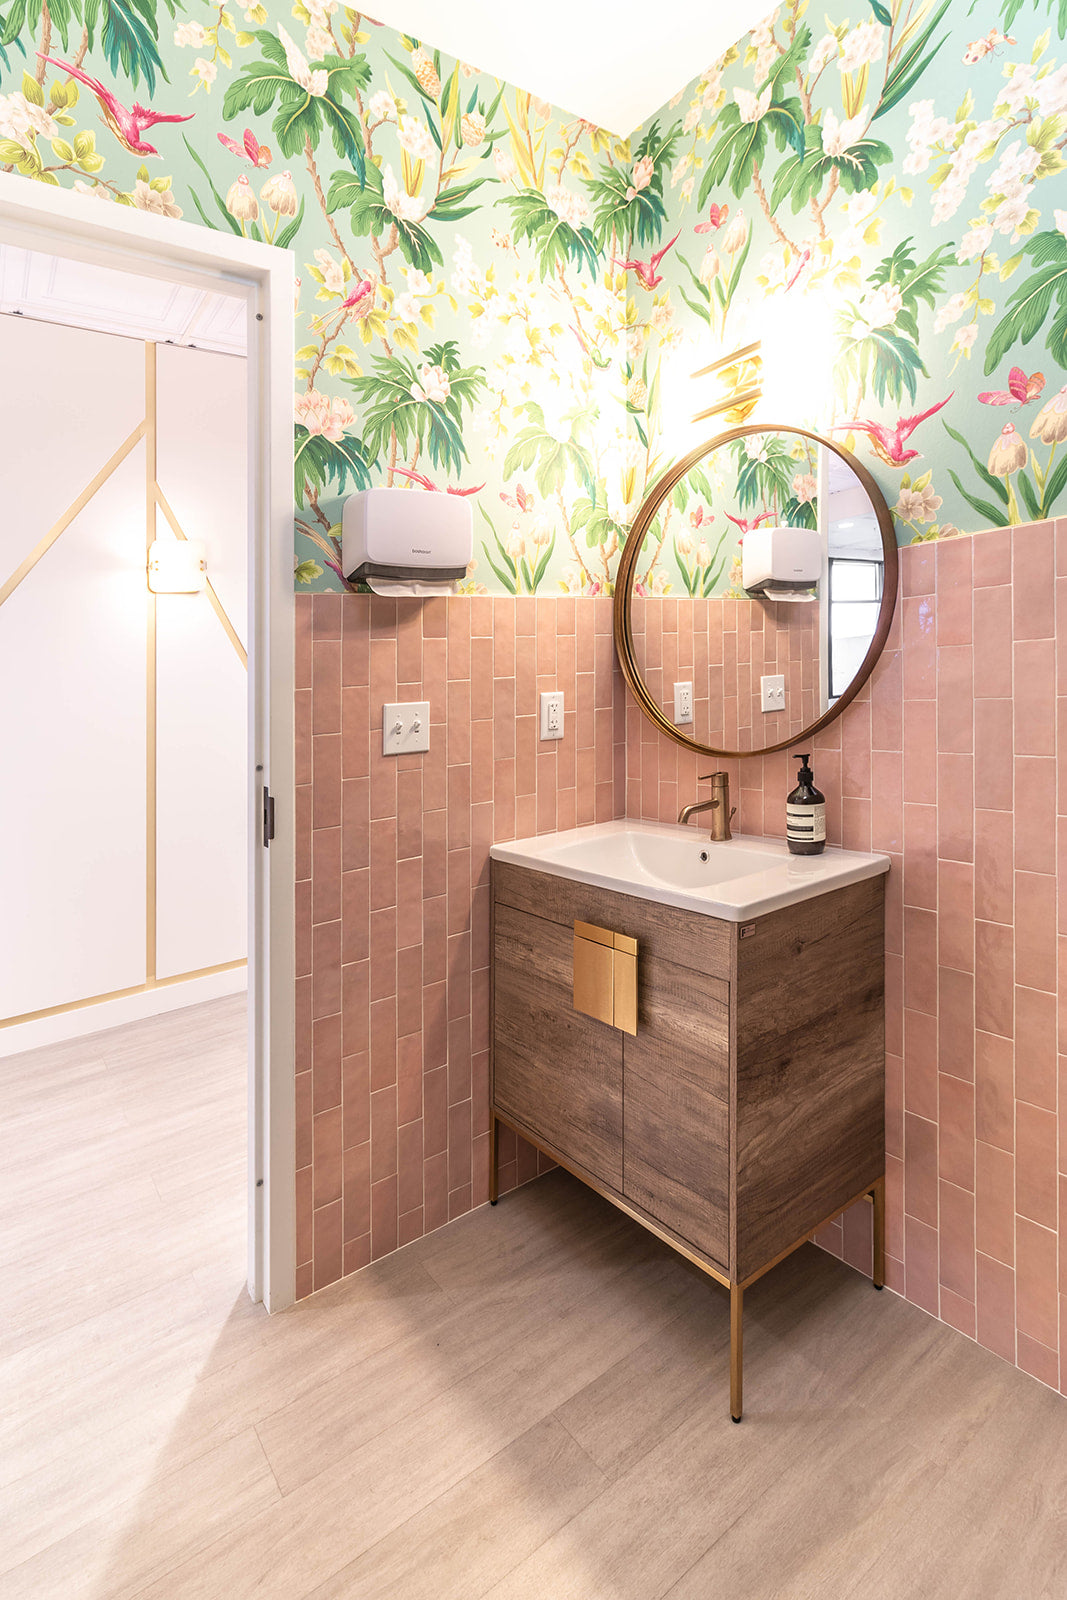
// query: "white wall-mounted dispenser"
[[405, 541], [781, 563]]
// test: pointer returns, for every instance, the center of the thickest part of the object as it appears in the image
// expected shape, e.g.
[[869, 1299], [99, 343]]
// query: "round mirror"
[[761, 572]]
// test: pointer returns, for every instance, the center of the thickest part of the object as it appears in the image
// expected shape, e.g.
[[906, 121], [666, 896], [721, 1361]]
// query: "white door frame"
[[59, 222]]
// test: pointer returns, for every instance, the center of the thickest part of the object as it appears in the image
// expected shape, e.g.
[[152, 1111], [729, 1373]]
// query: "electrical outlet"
[[683, 702], [405, 727], [772, 691], [552, 715]]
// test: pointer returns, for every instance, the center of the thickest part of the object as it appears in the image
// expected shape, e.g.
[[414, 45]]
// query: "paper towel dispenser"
[[781, 563], [402, 535]]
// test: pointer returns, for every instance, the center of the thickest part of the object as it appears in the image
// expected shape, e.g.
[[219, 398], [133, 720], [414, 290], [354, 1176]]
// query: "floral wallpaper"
[[500, 300]]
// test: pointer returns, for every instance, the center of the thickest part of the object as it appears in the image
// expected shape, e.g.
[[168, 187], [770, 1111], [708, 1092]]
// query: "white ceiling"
[[54, 289], [613, 65]]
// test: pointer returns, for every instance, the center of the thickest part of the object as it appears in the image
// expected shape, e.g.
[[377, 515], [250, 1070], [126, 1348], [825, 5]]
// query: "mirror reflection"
[[760, 585]]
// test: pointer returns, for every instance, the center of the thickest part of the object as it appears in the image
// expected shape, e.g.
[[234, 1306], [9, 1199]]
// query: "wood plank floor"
[[530, 1404]]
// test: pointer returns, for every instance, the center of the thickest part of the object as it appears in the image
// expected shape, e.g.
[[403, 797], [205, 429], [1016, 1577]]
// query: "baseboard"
[[95, 1016]]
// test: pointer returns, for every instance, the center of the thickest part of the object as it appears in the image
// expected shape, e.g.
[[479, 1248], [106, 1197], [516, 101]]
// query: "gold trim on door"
[[605, 976]]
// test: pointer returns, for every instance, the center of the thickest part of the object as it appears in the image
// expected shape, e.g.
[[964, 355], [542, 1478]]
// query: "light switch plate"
[[772, 691], [405, 727], [552, 714], [683, 702]]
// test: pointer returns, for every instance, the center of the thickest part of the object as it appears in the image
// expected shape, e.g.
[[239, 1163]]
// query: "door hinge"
[[268, 815]]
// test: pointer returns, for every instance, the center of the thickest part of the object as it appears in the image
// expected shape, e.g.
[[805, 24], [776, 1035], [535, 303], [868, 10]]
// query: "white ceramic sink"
[[680, 866]]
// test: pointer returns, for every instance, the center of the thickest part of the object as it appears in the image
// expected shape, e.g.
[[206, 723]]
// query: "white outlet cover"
[[772, 691], [683, 702], [552, 714], [405, 727]]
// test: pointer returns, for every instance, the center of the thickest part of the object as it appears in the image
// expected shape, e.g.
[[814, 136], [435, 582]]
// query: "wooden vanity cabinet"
[[747, 1110]]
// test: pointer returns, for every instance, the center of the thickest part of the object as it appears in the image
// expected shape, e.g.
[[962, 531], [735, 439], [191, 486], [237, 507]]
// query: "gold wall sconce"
[[605, 976]]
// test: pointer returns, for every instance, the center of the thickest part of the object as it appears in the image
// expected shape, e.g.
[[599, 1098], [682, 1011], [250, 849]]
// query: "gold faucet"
[[719, 805]]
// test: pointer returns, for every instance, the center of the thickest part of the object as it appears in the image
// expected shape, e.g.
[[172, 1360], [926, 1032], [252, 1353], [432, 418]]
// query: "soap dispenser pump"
[[805, 814]]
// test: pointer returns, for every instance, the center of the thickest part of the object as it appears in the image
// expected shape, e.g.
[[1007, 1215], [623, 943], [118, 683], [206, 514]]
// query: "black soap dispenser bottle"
[[805, 814]]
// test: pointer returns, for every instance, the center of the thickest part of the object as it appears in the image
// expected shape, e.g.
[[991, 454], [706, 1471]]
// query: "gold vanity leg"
[[878, 1222], [494, 1160], [736, 1299]]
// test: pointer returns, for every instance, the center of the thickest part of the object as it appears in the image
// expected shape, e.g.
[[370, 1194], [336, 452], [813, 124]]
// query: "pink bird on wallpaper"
[[127, 126], [647, 275], [745, 524], [425, 483], [888, 443], [359, 292]]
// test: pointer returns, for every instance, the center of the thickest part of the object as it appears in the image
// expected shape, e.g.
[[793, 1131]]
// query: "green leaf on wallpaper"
[[997, 485], [450, 204], [323, 463], [1054, 487], [1033, 300], [790, 62], [994, 518], [908, 68], [231, 222], [285, 237], [554, 459], [633, 216], [880, 359], [370, 216], [302, 117], [395, 403], [557, 244], [884, 16], [128, 34]]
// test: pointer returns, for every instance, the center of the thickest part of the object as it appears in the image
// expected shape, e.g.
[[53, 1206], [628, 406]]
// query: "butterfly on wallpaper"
[[520, 500], [716, 217], [1020, 391], [250, 150], [988, 45]]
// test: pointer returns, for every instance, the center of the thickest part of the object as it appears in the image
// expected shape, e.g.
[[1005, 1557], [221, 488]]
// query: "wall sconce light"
[[177, 566]]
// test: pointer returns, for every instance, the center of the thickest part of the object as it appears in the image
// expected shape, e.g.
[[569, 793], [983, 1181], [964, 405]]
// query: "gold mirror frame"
[[622, 622]]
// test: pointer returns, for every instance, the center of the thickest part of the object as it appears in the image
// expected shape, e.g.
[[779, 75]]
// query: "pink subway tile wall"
[[954, 762], [393, 890]]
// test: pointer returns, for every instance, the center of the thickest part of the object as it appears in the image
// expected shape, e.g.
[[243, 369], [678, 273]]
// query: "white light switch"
[[552, 715], [405, 727], [683, 702], [772, 691]]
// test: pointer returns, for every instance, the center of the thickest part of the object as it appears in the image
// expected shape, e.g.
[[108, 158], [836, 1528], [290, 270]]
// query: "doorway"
[[142, 857]]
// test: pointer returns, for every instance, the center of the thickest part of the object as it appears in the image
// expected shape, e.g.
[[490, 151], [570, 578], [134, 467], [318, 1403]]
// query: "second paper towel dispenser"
[[406, 536]]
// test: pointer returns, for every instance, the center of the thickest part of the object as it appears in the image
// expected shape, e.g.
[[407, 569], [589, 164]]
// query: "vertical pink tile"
[[993, 656], [992, 557], [994, 1088], [994, 1201], [1036, 1188], [955, 1022], [1036, 1295], [1033, 574], [956, 1240], [921, 1264], [954, 588], [1035, 1047], [996, 1307]]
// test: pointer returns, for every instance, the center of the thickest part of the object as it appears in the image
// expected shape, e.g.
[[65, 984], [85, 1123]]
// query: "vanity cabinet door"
[[554, 1069], [676, 1119]]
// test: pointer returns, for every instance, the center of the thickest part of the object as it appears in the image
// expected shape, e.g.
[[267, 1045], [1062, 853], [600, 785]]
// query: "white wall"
[[76, 902]]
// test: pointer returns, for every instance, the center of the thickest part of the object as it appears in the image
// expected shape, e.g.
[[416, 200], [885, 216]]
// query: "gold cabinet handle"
[[605, 976]]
